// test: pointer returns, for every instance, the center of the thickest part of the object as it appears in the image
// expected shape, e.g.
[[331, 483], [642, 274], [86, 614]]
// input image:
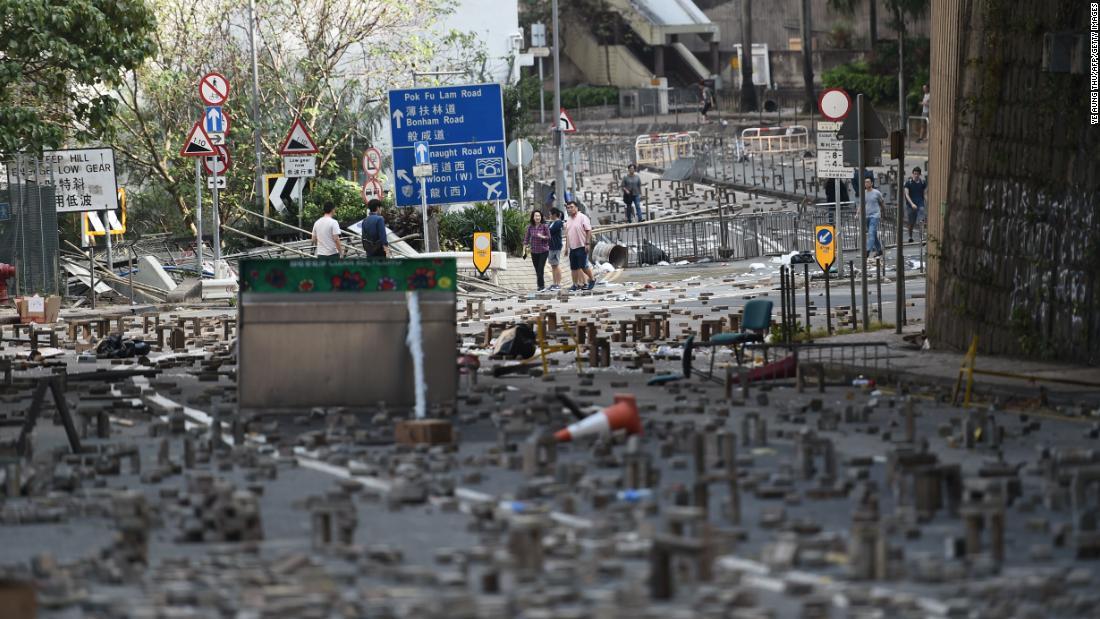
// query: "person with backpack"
[[374, 231]]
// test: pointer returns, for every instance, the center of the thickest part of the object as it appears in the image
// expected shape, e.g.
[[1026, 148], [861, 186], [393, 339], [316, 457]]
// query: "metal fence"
[[29, 237], [741, 236], [718, 158]]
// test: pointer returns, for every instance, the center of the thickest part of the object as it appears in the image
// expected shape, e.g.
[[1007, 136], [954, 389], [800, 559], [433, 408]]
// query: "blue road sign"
[[5, 211], [825, 237], [420, 150], [462, 128], [214, 120]]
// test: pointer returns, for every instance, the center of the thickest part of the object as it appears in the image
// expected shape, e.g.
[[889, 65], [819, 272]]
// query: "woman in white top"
[[925, 101]]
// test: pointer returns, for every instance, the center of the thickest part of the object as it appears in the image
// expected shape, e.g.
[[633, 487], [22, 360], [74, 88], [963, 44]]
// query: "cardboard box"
[[41, 310]]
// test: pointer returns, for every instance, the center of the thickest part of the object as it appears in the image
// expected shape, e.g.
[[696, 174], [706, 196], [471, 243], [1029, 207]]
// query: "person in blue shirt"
[[873, 205], [554, 260], [374, 231], [915, 187]]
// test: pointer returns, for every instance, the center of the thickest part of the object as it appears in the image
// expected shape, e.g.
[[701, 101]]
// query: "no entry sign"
[[834, 104]]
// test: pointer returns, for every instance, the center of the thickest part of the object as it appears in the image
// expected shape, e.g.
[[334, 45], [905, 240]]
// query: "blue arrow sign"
[[214, 119], [459, 130], [824, 237], [421, 153]]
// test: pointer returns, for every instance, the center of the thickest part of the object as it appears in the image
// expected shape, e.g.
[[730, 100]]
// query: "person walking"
[[326, 234], [632, 193], [374, 231], [925, 104], [556, 226], [706, 100], [578, 234], [872, 204], [914, 198], [538, 239]]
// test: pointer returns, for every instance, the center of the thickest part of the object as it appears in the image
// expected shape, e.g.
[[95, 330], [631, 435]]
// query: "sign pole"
[[520, 166], [861, 156], [216, 224], [839, 246], [198, 216], [257, 146], [899, 318], [559, 163], [91, 269], [110, 252], [500, 228], [542, 96], [424, 210]]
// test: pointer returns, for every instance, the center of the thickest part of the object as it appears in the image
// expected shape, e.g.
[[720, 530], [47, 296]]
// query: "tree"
[[51, 53], [899, 10], [807, 57], [748, 90], [329, 62]]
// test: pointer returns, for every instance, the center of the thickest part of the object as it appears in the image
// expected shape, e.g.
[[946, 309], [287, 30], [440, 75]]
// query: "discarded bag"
[[651, 254], [114, 347], [516, 342]]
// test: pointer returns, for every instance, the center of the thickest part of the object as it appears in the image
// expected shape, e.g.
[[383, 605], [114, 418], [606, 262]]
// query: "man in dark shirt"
[[374, 231], [555, 247], [914, 199], [632, 193]]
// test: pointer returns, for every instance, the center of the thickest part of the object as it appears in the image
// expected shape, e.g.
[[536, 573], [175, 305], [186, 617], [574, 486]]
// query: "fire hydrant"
[[6, 271]]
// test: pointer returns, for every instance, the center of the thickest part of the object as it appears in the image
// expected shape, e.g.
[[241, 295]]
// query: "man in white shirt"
[[326, 234]]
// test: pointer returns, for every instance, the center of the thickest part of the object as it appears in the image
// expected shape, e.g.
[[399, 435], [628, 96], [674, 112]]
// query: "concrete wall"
[[775, 22], [594, 60], [786, 67], [1014, 185]]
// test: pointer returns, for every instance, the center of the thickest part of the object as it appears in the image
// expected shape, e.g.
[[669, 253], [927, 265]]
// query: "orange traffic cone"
[[622, 415]]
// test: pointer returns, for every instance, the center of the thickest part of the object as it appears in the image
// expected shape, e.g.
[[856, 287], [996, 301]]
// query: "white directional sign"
[[83, 179], [221, 183], [282, 189], [300, 166], [830, 156]]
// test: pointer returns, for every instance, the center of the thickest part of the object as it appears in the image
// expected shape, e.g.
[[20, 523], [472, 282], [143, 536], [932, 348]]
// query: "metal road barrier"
[[738, 237], [795, 139]]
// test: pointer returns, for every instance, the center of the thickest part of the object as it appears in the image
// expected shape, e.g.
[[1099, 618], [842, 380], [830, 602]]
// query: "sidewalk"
[[941, 367]]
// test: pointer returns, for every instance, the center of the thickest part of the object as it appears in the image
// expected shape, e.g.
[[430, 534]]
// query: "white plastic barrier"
[[776, 139], [659, 150]]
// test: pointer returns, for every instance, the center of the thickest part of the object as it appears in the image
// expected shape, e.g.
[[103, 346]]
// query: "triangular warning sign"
[[565, 123], [873, 128], [298, 141], [198, 143]]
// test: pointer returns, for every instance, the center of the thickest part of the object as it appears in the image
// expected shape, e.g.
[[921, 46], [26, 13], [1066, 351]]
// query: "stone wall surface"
[[1015, 185]]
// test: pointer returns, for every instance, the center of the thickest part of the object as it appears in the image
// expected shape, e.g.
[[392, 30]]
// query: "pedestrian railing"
[[742, 236]]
